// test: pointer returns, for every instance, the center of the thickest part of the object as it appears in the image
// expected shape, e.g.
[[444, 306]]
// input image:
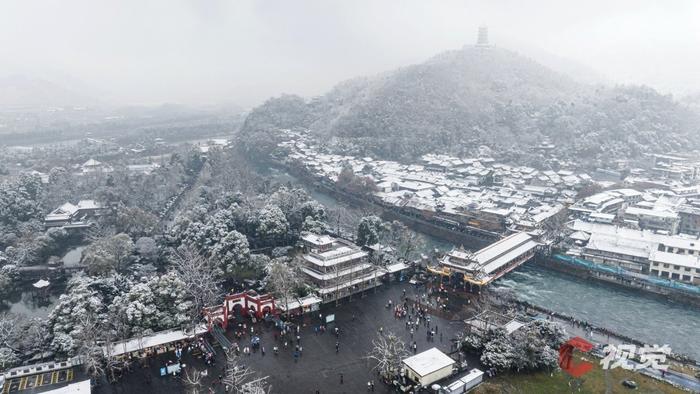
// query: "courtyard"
[[319, 367]]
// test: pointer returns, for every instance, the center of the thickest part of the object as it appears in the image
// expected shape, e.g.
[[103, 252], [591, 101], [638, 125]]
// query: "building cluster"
[[475, 192], [643, 252], [675, 211]]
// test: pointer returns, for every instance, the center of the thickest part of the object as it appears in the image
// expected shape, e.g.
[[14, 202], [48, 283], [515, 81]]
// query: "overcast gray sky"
[[205, 52]]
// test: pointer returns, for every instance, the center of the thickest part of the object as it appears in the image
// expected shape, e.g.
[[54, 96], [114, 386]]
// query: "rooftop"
[[428, 361]]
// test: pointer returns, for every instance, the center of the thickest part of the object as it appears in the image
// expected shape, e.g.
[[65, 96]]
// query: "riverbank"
[[561, 264], [453, 232]]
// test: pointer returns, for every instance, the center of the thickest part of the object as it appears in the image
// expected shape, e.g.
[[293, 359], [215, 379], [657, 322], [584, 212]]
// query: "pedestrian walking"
[[341, 378], [337, 346]]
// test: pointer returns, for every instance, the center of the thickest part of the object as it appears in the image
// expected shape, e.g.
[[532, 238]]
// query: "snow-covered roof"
[[82, 387], [300, 302], [88, 204], [317, 239], [429, 361], [683, 260], [157, 339], [400, 266], [92, 163]]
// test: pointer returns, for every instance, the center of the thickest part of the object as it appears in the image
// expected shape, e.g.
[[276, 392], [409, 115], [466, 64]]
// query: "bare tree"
[[9, 326], [388, 350], [283, 278], [9, 323], [240, 379], [404, 240], [90, 351], [202, 284], [193, 381]]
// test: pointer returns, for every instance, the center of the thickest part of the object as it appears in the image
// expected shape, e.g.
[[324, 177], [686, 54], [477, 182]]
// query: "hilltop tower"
[[483, 37]]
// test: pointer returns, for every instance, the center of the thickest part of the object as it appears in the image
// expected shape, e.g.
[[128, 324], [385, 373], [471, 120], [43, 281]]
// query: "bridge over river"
[[490, 263]]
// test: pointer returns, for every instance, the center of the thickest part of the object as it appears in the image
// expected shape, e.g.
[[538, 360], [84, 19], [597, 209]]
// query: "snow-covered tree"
[[18, 200], [231, 252], [314, 225], [146, 248], [160, 303], [108, 255], [370, 230], [84, 296], [8, 278], [530, 348], [135, 221], [271, 223], [499, 352]]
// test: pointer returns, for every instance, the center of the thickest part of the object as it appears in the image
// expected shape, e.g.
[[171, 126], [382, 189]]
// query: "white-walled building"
[[429, 366]]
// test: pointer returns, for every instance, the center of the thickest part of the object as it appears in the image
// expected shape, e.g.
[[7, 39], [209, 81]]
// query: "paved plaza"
[[319, 368]]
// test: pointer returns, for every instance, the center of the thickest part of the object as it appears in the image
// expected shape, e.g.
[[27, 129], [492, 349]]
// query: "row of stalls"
[[157, 343]]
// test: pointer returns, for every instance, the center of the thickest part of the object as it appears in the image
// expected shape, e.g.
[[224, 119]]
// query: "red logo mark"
[[566, 351]]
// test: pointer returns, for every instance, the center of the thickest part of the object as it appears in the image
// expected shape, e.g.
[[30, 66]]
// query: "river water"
[[644, 317]]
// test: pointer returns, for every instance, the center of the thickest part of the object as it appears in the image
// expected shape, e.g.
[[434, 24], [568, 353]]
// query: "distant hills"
[[20, 91], [459, 100]]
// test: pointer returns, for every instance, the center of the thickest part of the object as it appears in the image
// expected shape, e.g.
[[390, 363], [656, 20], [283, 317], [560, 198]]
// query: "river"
[[645, 317]]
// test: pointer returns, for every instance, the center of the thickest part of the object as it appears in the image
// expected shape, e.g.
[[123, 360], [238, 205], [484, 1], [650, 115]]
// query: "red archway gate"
[[250, 303]]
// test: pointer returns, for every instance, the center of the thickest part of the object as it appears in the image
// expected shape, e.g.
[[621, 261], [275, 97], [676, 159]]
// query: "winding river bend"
[[645, 317]]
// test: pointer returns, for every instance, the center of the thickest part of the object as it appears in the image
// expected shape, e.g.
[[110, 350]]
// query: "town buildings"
[[476, 193], [644, 252]]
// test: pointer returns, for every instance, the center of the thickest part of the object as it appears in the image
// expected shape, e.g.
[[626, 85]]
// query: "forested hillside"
[[460, 100]]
